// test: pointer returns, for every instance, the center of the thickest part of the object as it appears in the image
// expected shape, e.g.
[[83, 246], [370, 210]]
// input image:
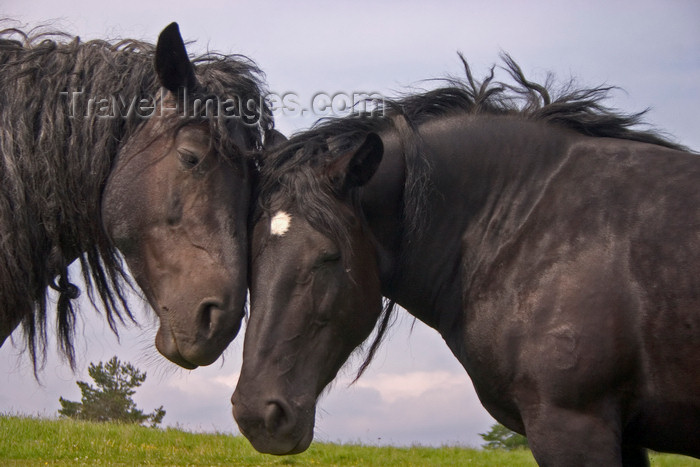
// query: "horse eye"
[[188, 158], [331, 256], [327, 257]]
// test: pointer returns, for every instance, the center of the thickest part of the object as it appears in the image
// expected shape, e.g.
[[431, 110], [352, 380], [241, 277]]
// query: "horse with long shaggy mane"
[[83, 153]]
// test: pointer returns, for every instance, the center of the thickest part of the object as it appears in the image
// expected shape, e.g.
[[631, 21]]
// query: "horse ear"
[[356, 168], [273, 138], [172, 63]]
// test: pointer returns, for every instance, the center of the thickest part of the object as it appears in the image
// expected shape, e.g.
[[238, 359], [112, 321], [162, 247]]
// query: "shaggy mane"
[[290, 165]]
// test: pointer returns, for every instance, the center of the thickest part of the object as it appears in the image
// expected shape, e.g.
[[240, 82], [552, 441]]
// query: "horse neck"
[[486, 175]]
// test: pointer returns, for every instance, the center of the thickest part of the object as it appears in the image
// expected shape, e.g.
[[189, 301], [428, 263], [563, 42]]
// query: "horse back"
[[596, 294]]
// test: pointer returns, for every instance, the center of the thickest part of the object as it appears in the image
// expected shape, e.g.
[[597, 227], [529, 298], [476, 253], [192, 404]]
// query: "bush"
[[500, 437], [110, 400]]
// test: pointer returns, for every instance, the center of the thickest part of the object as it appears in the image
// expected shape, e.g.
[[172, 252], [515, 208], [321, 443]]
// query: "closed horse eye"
[[188, 158], [322, 319], [327, 258], [330, 257]]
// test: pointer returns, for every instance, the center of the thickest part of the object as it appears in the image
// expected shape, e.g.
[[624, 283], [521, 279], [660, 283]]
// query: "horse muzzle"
[[274, 426], [192, 340]]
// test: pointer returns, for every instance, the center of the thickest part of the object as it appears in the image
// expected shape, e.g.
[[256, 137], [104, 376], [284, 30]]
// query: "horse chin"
[[167, 346], [302, 445], [264, 443], [202, 352]]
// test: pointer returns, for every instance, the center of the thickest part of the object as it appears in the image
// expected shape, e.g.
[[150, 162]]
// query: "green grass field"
[[31, 441]]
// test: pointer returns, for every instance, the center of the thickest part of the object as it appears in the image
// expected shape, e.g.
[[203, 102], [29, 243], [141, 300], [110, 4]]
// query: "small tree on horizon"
[[500, 437], [110, 400]]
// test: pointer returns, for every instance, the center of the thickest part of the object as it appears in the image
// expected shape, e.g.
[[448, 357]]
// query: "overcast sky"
[[415, 391]]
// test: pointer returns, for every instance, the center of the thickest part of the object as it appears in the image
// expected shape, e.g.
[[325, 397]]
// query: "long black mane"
[[291, 166], [581, 110], [54, 163]]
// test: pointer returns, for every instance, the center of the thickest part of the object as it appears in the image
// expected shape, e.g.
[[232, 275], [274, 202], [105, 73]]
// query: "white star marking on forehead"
[[279, 225]]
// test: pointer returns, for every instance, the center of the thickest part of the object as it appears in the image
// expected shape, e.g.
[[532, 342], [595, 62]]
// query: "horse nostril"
[[209, 312], [277, 417], [205, 316]]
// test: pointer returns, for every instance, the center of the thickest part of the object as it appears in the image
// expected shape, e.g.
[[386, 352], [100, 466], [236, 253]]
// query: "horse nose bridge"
[[215, 294], [215, 249]]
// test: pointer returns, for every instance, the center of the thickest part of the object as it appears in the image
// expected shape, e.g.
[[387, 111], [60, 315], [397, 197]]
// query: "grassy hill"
[[31, 441]]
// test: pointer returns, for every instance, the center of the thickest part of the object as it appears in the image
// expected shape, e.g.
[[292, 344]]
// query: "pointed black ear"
[[273, 138], [356, 168], [172, 64]]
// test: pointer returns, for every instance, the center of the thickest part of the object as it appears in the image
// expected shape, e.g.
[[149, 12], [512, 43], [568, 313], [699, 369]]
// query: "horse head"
[[176, 207], [315, 297]]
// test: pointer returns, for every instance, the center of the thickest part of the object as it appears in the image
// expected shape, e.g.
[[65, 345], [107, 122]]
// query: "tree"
[[500, 437], [110, 400]]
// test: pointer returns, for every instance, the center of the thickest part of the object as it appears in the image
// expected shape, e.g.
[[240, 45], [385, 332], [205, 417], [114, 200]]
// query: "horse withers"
[[126, 148], [555, 249]]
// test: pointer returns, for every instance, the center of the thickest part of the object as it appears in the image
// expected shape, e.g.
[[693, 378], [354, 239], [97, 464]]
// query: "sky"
[[415, 391]]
